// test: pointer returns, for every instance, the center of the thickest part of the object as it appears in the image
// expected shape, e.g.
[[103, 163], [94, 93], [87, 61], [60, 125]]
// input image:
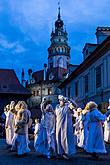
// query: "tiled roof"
[[9, 83], [57, 74]]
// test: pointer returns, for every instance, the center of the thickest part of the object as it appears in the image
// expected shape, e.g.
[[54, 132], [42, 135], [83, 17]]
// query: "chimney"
[[102, 33], [30, 75], [45, 71]]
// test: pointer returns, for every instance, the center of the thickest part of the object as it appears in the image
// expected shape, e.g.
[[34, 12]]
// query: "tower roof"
[[59, 23]]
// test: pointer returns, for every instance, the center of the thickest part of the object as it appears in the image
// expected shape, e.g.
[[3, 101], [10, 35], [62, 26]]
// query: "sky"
[[26, 25]]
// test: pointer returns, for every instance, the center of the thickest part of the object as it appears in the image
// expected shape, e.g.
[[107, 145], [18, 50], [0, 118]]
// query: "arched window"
[[60, 62]]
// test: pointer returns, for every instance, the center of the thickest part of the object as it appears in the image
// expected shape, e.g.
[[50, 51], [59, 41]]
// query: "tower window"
[[33, 93], [59, 40], [38, 93]]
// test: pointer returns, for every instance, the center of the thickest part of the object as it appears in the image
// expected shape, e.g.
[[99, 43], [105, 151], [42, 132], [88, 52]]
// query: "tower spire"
[[59, 16]]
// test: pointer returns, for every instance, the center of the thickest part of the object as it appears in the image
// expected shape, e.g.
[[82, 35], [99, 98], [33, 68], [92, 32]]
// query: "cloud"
[[19, 49], [6, 44], [12, 47]]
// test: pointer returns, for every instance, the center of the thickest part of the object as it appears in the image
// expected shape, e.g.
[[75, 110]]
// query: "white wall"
[[93, 91]]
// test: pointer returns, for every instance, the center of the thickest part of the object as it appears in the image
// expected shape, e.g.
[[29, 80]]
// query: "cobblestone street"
[[81, 158]]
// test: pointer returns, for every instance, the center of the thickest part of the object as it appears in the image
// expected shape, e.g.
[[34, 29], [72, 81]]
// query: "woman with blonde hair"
[[21, 126], [16, 118], [95, 143]]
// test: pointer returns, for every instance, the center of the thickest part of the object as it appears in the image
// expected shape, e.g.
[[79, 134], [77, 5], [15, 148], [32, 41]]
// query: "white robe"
[[20, 141], [41, 145], [95, 142], [64, 131], [85, 129], [50, 129], [79, 131], [107, 130], [36, 132], [9, 127]]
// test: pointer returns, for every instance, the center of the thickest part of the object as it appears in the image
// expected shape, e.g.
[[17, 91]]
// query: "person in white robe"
[[21, 125], [64, 130], [41, 144], [107, 129], [95, 143], [79, 128], [16, 118], [85, 125], [29, 124], [36, 130], [50, 130], [9, 124]]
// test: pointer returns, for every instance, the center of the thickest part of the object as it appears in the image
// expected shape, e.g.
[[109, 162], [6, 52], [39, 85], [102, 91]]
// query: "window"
[[76, 88], [49, 91], [38, 93], [33, 93], [4, 87], [86, 83], [98, 77]]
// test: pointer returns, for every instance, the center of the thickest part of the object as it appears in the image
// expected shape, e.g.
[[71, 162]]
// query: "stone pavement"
[[81, 158]]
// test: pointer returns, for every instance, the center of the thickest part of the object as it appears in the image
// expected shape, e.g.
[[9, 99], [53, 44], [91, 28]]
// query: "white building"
[[91, 80]]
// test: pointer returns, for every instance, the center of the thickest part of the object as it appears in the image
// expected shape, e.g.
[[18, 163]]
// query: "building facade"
[[91, 80]]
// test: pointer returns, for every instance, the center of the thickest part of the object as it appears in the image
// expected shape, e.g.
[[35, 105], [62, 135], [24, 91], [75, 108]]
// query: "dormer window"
[[4, 87]]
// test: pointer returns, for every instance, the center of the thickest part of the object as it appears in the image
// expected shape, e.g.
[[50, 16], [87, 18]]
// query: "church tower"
[[59, 51]]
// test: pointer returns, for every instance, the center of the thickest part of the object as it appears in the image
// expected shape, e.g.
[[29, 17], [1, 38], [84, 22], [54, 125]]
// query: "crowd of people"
[[60, 131]]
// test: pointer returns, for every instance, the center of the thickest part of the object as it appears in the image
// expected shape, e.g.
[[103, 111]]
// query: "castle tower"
[[59, 51]]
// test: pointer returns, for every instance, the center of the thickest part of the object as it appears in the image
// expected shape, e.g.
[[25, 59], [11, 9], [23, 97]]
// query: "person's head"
[[17, 106], [92, 105], [44, 99], [7, 107], [86, 107], [79, 111], [61, 100], [49, 108], [23, 105], [37, 120], [12, 105]]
